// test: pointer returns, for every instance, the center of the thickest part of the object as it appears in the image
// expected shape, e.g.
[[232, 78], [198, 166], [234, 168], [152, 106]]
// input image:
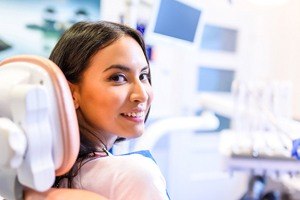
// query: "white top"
[[122, 177]]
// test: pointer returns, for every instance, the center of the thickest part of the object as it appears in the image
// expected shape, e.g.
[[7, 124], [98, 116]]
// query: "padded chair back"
[[55, 106]]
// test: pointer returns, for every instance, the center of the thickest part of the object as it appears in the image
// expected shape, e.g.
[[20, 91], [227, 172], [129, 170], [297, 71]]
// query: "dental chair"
[[39, 136]]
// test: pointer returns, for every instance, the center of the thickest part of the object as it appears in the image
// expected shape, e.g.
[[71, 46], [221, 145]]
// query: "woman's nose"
[[139, 92]]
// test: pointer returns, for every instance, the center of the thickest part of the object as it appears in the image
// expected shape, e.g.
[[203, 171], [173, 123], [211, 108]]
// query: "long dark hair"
[[72, 54]]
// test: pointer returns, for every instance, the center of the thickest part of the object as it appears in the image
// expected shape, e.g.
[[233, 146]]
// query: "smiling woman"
[[109, 76], [114, 91]]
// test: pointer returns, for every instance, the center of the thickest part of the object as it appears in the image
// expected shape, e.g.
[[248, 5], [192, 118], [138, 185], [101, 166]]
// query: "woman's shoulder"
[[138, 165], [124, 173], [133, 166], [131, 162]]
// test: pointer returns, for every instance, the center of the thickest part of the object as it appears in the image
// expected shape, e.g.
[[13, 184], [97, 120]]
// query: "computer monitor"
[[211, 79], [174, 21], [217, 38]]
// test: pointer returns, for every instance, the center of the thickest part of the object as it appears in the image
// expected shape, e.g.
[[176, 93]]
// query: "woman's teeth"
[[134, 114]]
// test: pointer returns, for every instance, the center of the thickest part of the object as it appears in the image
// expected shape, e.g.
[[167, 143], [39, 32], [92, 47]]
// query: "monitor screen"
[[214, 80], [218, 38], [177, 20]]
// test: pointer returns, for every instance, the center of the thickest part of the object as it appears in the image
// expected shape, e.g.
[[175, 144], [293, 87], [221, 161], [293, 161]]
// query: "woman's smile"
[[138, 117]]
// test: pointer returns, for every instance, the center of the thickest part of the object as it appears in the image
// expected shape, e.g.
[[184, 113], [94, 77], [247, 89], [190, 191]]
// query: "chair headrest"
[[36, 97]]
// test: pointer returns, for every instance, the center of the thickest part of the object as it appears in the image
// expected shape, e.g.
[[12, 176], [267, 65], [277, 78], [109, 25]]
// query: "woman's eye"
[[119, 78], [144, 77]]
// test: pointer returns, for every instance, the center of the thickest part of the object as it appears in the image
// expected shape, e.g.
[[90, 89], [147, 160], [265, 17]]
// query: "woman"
[[109, 76]]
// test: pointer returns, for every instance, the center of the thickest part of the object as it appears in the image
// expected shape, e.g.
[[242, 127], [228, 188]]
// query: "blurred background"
[[209, 60]]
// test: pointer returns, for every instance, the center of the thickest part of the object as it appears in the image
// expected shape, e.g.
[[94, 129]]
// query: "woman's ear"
[[75, 94]]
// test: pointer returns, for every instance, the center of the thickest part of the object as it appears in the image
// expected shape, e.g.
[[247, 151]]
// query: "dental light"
[[265, 2], [268, 2], [34, 114]]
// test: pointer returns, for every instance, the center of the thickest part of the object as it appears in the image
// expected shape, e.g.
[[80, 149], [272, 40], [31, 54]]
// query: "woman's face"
[[114, 94]]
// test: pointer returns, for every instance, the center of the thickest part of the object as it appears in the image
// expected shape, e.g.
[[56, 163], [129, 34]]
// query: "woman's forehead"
[[124, 51]]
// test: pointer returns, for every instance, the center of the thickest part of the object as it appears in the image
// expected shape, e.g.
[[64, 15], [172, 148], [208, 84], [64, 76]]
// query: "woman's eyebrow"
[[123, 68]]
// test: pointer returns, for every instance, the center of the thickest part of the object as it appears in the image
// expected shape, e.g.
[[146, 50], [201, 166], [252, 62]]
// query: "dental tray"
[[261, 153]]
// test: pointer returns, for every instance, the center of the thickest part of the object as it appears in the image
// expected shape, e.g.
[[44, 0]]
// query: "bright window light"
[[268, 2]]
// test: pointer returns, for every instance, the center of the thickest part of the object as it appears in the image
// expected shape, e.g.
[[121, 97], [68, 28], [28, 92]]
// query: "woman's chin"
[[133, 135]]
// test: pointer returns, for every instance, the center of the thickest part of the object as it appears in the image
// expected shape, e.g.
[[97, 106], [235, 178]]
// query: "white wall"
[[286, 49], [111, 10]]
